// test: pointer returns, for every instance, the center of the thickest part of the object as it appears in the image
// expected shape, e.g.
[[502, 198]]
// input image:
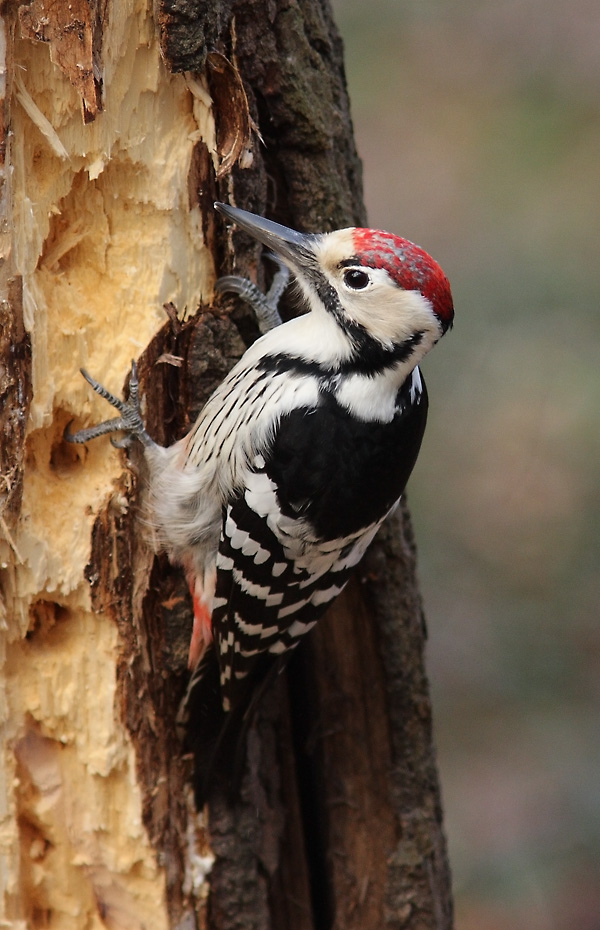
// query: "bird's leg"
[[263, 305], [130, 420]]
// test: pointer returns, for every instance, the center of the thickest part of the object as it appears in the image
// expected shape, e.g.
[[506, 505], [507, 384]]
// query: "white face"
[[371, 298]]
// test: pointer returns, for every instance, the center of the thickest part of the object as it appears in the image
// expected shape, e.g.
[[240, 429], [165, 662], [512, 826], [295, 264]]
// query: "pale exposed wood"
[[98, 229]]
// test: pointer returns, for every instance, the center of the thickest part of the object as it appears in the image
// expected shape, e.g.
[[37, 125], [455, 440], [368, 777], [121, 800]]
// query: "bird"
[[274, 495]]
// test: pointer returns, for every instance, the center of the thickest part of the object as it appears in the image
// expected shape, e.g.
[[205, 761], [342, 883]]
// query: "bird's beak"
[[294, 247]]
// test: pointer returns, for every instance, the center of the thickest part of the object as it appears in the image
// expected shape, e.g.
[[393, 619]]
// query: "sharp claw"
[[68, 436], [125, 443]]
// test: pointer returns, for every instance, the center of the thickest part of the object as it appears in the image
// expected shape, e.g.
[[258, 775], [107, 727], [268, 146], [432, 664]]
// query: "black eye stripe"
[[356, 279]]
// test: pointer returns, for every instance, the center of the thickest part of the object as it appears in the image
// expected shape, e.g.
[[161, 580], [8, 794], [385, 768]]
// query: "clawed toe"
[[130, 421], [263, 305], [93, 432]]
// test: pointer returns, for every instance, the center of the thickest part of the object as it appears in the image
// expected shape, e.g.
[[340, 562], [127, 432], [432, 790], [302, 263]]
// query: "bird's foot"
[[129, 422], [263, 305]]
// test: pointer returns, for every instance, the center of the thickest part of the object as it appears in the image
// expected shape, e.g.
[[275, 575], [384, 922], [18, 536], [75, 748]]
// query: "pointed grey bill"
[[293, 246]]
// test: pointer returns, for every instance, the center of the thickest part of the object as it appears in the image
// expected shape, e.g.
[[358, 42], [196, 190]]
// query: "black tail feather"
[[201, 719], [218, 738]]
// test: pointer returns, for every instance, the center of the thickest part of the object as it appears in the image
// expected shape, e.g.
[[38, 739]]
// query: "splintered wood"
[[98, 228]]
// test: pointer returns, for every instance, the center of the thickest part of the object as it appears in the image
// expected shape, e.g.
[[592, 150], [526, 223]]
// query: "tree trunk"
[[120, 126]]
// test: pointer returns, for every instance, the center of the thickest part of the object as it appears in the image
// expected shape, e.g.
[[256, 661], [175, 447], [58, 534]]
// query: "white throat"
[[376, 398]]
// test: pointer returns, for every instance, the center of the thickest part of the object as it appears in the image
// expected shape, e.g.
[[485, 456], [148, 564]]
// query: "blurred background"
[[479, 129]]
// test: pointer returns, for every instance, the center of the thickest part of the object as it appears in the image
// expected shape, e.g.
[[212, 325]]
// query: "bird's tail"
[[201, 719], [217, 738]]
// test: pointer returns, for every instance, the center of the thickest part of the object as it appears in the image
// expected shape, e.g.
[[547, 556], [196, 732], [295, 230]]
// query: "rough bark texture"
[[339, 826]]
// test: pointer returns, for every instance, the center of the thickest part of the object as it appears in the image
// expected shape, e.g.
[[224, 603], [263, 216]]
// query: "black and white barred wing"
[[274, 581]]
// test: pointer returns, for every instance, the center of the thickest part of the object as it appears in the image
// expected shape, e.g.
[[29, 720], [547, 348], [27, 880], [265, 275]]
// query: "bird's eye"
[[356, 279]]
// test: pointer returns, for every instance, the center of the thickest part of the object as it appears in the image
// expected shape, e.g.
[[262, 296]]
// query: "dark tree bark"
[[359, 819], [340, 823]]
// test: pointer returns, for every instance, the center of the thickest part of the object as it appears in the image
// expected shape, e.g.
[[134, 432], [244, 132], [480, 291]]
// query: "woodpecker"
[[297, 458]]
